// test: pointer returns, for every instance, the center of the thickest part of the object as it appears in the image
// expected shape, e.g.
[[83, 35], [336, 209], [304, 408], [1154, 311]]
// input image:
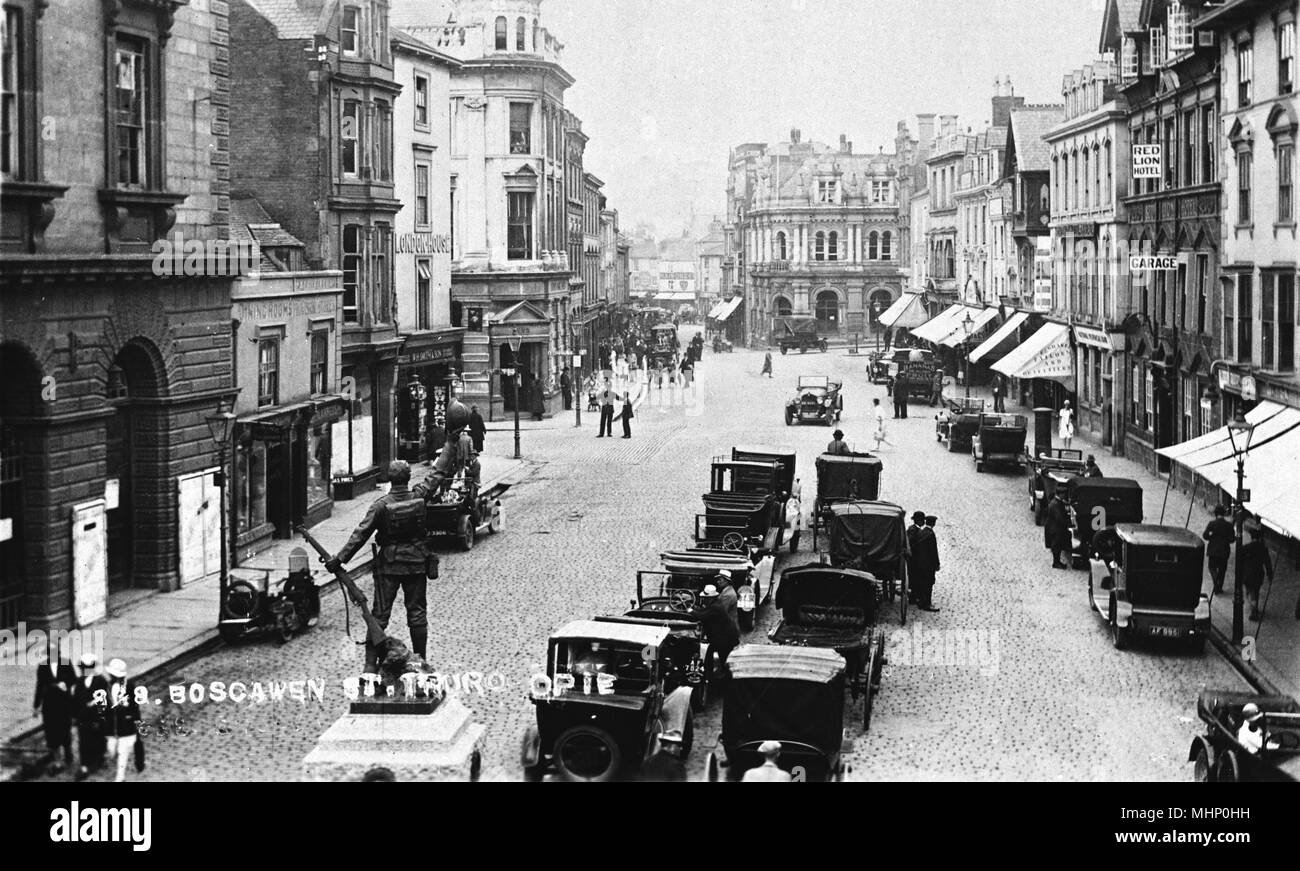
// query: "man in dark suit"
[[900, 396], [1220, 535], [1056, 533], [923, 561]]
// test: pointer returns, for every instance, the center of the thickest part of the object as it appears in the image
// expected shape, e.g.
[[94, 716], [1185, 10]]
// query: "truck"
[[791, 333]]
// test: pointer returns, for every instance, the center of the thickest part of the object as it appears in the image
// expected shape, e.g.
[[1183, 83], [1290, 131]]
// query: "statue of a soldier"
[[458, 455]]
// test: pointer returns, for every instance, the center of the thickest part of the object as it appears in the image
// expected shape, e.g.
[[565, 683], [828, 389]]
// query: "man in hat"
[[1255, 564], [1056, 533], [838, 445], [55, 681], [402, 559], [717, 613], [1251, 734], [1090, 468], [922, 562], [90, 706], [1220, 535], [769, 771], [123, 717]]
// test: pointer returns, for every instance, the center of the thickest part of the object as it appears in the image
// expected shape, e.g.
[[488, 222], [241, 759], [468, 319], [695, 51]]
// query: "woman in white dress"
[[1066, 429]]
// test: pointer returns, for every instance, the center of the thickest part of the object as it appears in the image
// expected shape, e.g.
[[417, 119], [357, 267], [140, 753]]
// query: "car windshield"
[[625, 668]]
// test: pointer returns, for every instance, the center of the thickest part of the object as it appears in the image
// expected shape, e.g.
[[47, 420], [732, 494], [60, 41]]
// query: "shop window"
[[250, 493], [319, 450], [268, 371], [320, 359], [352, 253]]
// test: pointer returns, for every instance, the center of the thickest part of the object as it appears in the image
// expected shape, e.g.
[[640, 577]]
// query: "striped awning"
[[907, 312], [940, 325], [729, 308], [1045, 354], [979, 322], [1001, 341]]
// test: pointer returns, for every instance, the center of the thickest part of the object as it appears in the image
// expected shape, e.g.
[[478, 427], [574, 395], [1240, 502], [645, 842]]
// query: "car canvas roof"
[[866, 506], [774, 662], [1106, 483], [1152, 535], [814, 380], [593, 630]]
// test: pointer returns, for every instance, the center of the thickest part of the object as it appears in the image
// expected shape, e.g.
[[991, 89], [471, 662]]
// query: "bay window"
[[352, 261], [350, 138], [381, 158], [380, 244]]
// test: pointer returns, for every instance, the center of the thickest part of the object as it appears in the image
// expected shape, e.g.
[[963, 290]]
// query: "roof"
[[1151, 535], [294, 19], [677, 249], [405, 40], [1107, 483], [771, 661], [1028, 127], [866, 506], [621, 633], [1000, 336], [249, 222]]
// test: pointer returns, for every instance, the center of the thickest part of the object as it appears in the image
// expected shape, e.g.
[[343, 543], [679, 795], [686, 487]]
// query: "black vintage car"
[[843, 478], [871, 536], [817, 399], [957, 424], [1000, 440], [739, 488], [798, 334], [1097, 503], [1045, 472], [464, 510], [1218, 756], [606, 697], [917, 374], [1147, 580], [687, 572], [786, 694]]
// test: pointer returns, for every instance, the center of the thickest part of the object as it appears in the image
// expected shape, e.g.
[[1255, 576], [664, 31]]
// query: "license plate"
[[1168, 631]]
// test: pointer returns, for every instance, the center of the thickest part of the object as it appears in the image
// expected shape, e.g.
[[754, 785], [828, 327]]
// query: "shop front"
[[429, 368]]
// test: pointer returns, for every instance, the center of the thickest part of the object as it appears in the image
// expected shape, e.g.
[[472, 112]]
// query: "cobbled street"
[[1049, 699]]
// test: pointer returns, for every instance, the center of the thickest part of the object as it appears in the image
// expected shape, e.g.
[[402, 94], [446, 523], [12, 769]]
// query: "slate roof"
[[1028, 127], [249, 222], [294, 19]]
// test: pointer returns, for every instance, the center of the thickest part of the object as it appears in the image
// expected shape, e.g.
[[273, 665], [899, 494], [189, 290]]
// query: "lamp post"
[[512, 372], [1240, 432], [968, 327], [876, 309], [219, 425]]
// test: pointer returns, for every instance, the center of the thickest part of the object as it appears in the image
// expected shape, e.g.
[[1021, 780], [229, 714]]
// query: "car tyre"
[[712, 771], [1203, 761], [497, 523], [789, 418], [688, 736], [1118, 634], [597, 744], [466, 532], [868, 697], [794, 540], [1228, 768]]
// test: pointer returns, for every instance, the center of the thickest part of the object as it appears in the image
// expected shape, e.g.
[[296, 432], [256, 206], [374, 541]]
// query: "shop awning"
[[1045, 354], [980, 323], [1269, 419], [729, 308], [1003, 338], [676, 296], [940, 325], [907, 312], [717, 307]]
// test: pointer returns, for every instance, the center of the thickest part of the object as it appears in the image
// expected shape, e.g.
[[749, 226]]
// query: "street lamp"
[[512, 373], [968, 327], [1240, 432], [219, 425], [876, 309]]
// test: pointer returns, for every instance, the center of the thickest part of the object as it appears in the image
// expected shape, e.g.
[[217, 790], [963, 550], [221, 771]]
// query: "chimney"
[[925, 130], [794, 135], [1004, 100], [947, 125]]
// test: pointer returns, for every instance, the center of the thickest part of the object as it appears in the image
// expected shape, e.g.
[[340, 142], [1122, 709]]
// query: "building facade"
[[1028, 173], [115, 331]]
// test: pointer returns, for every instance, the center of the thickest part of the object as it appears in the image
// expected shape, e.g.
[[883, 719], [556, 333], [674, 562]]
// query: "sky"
[[665, 88]]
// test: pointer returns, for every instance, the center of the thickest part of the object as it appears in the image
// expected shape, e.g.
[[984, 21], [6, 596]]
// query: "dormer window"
[[880, 191], [1129, 59], [828, 192], [1180, 29], [1158, 48]]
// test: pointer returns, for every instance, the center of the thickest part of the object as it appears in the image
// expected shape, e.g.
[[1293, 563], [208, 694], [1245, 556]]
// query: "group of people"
[[1256, 563], [608, 398], [102, 706], [922, 560]]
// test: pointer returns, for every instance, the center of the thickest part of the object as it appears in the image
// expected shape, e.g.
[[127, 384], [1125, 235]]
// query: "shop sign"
[[1092, 336], [264, 431], [441, 354], [1146, 161], [422, 243]]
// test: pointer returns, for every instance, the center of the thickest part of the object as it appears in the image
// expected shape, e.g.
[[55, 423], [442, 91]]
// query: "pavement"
[[1014, 679]]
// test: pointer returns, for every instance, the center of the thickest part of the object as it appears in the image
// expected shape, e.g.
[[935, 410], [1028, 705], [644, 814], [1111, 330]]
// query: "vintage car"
[[1045, 472], [605, 700], [663, 345], [835, 608], [464, 510], [791, 695], [816, 399], [841, 478], [871, 536], [884, 365], [789, 490], [1147, 580], [957, 424], [918, 374], [999, 440], [798, 333], [686, 573], [684, 658], [1096, 503], [1218, 756]]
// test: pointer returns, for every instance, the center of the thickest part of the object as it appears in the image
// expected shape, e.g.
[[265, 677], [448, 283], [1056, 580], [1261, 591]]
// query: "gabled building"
[[1028, 170]]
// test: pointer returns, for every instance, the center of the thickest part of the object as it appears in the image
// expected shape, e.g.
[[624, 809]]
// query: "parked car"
[[957, 424], [1147, 580], [798, 334], [999, 440], [870, 536], [605, 701], [1048, 470], [842, 478], [465, 510], [1218, 756], [817, 398], [1097, 503]]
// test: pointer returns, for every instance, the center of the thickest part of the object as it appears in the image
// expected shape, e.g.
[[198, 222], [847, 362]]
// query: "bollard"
[[1042, 431]]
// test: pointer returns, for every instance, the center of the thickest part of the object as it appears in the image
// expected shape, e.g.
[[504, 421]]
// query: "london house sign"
[[423, 243]]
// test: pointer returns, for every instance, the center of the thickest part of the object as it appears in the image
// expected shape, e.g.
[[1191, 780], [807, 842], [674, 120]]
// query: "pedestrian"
[[900, 396], [717, 613], [769, 771], [999, 395], [936, 387], [838, 445], [123, 718], [607, 399], [1090, 468], [767, 364], [627, 415], [1220, 535], [879, 433], [1255, 564], [566, 387], [90, 707], [477, 428], [55, 683], [922, 562], [603, 354], [1056, 532], [538, 397], [1065, 430], [403, 559]]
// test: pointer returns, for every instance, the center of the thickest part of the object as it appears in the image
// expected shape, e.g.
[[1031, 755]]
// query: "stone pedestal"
[[443, 745]]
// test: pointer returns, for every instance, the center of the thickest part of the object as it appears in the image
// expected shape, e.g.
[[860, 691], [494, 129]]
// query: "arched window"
[[780, 246], [828, 310], [886, 246], [833, 246], [819, 246], [873, 246], [521, 28], [782, 306], [502, 42]]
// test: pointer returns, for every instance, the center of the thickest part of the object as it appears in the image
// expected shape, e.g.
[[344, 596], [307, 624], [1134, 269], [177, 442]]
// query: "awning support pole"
[[1196, 482], [1169, 483]]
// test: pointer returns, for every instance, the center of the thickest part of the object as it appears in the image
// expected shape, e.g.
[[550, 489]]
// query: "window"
[[886, 241], [1180, 289], [1285, 184], [250, 493], [130, 105], [1229, 321], [1064, 198], [1157, 44], [378, 32], [1180, 29], [1244, 167], [502, 40], [1286, 58], [1245, 72], [421, 101], [833, 246], [451, 213], [352, 253], [826, 191], [423, 302], [268, 371], [780, 246], [520, 30], [873, 246], [819, 246], [1268, 321], [11, 86], [519, 225], [1245, 316], [1189, 148], [1110, 178], [1087, 187], [1129, 59], [350, 32], [320, 359], [1209, 145], [422, 195], [1169, 151], [350, 137], [381, 240], [1135, 395], [1202, 289], [521, 123], [1149, 401], [880, 192], [381, 158], [1286, 321]]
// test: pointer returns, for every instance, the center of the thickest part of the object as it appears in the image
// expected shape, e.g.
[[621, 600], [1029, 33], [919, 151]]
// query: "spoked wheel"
[[466, 532], [1228, 768], [1203, 762]]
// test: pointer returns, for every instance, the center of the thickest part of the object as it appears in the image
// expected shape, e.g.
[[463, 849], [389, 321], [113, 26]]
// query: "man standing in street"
[[923, 561], [1220, 535], [717, 612], [566, 387], [1056, 532], [627, 415], [402, 559], [477, 429], [999, 395], [767, 364], [607, 399], [900, 396]]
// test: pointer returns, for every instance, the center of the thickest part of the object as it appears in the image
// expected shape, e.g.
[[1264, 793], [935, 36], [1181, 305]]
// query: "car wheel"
[[466, 532], [688, 736], [497, 523], [700, 694], [1203, 761], [1118, 634], [784, 350], [587, 754], [868, 699], [1228, 768], [231, 632], [243, 600], [712, 771], [789, 418], [794, 540]]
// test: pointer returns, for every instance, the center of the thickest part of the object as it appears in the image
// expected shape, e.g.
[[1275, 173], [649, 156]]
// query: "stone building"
[[115, 278]]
